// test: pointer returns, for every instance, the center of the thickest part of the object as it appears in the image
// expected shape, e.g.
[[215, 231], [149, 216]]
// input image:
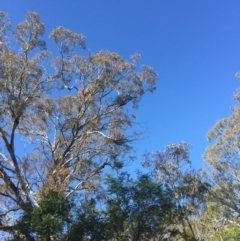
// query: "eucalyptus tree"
[[63, 117], [223, 161], [172, 167]]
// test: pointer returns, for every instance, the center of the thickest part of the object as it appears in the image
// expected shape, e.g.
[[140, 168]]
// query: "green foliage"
[[228, 233], [46, 222], [231, 234], [88, 225], [135, 210], [138, 209]]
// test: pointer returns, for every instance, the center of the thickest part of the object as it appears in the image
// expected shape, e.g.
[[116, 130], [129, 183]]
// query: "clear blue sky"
[[192, 44]]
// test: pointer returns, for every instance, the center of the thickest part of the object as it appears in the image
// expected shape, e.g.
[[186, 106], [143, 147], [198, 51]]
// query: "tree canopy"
[[69, 108], [66, 130]]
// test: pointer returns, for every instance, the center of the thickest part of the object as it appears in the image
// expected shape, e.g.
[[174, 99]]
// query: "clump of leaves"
[[46, 222]]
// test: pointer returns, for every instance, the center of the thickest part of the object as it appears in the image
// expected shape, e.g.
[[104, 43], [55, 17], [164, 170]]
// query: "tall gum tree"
[[172, 167], [222, 157], [70, 136]]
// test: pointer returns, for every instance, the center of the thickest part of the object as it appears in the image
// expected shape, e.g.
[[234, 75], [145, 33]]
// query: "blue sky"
[[193, 45]]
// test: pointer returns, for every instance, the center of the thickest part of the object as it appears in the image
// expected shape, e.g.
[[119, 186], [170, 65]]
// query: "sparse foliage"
[[63, 117], [172, 167], [223, 160]]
